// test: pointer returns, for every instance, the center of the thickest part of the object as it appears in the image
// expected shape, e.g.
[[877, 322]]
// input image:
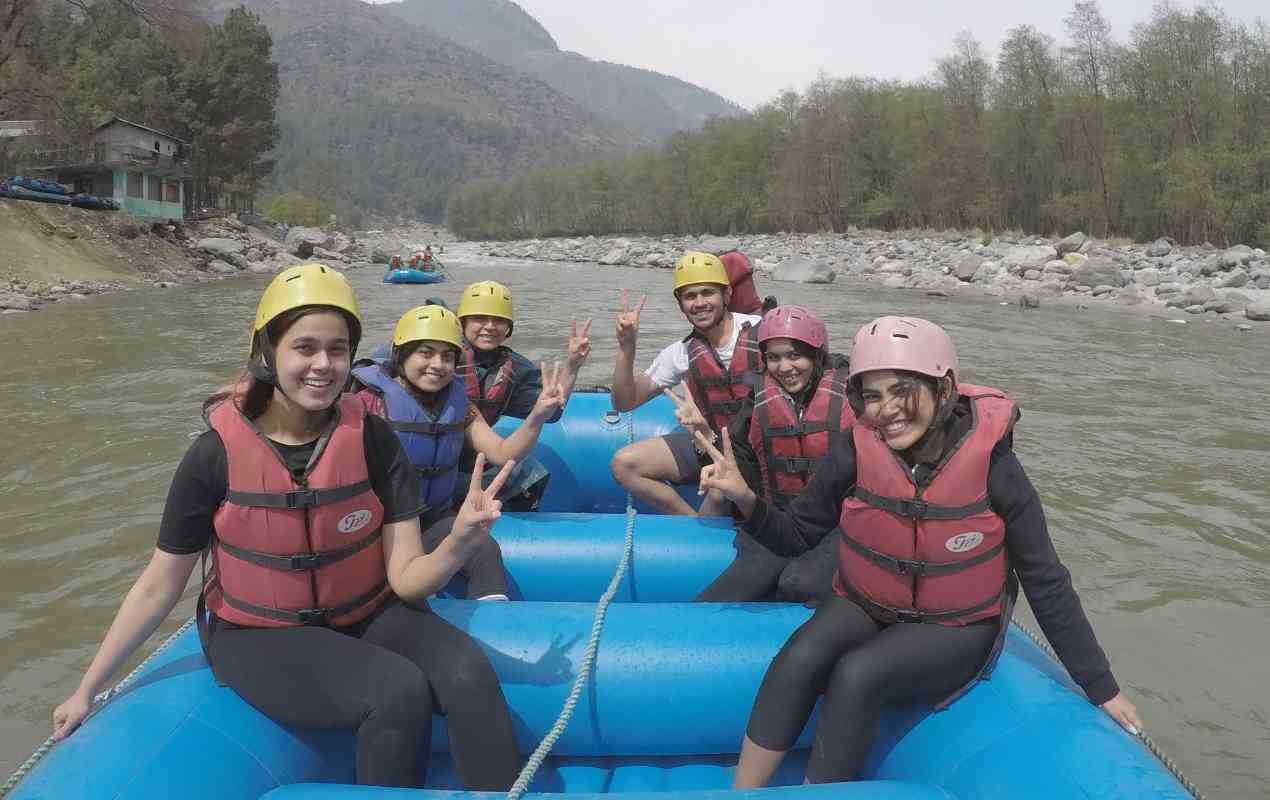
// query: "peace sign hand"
[[723, 475], [551, 398], [628, 322], [579, 345], [687, 413], [480, 509]]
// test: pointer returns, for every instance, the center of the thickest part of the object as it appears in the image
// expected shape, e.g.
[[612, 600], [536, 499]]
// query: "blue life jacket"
[[433, 445]]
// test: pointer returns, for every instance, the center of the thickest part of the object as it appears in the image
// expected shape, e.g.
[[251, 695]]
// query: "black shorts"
[[687, 463]]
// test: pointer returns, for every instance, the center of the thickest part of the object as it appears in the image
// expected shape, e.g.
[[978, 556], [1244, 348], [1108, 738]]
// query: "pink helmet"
[[793, 322], [903, 343]]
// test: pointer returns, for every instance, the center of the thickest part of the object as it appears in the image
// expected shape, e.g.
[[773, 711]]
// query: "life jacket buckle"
[[303, 562], [914, 509], [311, 616], [909, 615], [911, 568], [302, 498]]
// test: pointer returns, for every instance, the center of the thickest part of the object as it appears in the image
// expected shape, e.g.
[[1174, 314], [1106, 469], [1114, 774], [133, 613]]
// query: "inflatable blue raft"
[[407, 275], [664, 710]]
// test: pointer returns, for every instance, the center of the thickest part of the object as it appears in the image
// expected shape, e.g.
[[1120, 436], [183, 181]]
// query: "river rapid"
[[1149, 442]]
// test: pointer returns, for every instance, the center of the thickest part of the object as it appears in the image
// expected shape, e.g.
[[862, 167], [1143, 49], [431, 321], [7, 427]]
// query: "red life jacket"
[[718, 390], [927, 554], [492, 395], [788, 445], [290, 552], [745, 299]]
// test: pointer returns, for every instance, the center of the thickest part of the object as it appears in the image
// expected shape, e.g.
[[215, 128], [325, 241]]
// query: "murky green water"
[[1148, 441]]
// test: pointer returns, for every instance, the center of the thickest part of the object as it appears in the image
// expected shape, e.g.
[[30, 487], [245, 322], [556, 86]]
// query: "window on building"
[[155, 184], [171, 192], [134, 184], [156, 145]]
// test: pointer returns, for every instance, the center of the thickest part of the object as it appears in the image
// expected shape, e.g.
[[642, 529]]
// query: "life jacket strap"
[[304, 616], [794, 464], [299, 562], [425, 428], [920, 569], [432, 472], [919, 509], [300, 498], [891, 615]]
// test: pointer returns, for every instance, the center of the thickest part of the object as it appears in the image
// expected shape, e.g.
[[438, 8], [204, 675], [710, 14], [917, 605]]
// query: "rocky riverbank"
[[1231, 283], [57, 253]]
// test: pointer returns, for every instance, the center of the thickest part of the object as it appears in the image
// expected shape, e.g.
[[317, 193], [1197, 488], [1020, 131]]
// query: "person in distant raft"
[[502, 382], [779, 438], [415, 389], [314, 610], [936, 524], [718, 360]]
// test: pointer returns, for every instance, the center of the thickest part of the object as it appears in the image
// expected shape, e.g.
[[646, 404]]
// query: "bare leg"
[[643, 469], [756, 765]]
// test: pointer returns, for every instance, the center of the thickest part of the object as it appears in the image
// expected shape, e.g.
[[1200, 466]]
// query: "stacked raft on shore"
[[666, 706]]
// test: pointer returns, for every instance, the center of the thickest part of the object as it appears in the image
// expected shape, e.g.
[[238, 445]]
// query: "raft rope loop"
[[98, 702], [1151, 746], [588, 659]]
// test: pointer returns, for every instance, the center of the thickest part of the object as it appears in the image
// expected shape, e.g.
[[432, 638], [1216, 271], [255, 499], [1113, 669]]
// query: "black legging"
[[385, 678], [858, 665], [759, 574], [483, 570]]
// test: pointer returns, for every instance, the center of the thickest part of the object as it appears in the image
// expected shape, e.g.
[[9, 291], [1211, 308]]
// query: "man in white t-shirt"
[[717, 362]]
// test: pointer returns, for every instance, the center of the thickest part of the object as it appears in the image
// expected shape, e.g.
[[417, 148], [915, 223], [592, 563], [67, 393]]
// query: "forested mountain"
[[383, 115], [1165, 134], [647, 103]]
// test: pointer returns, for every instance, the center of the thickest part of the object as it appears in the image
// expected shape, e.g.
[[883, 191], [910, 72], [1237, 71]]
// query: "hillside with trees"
[[1166, 134], [649, 104], [69, 65]]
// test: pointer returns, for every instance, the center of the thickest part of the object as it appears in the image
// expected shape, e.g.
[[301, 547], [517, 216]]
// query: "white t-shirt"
[[671, 364]]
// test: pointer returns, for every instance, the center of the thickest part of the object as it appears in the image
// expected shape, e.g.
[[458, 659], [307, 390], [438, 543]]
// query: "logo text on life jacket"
[[963, 542], [354, 521]]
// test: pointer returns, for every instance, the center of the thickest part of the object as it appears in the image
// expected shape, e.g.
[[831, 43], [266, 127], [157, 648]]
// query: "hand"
[[579, 345], [687, 413], [628, 322], [480, 509], [1124, 712], [723, 475], [551, 398], [68, 716]]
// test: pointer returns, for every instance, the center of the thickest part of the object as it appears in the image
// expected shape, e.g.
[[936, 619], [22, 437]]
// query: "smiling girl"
[[936, 524], [313, 611]]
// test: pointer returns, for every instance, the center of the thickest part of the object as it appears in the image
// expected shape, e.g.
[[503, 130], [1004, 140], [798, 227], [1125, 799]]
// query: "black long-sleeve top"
[[815, 512]]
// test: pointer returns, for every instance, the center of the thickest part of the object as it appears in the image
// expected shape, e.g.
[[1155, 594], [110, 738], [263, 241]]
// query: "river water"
[[1148, 441]]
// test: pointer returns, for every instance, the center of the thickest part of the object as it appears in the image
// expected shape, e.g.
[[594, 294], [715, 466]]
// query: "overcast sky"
[[748, 50]]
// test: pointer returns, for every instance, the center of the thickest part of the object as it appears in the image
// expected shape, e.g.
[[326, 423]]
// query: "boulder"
[[1074, 259], [1257, 312], [314, 237], [16, 302], [219, 267], [167, 276], [1166, 289], [987, 272], [1147, 277], [1057, 267], [1128, 296], [615, 255], [967, 266], [1234, 279], [1194, 309], [1032, 275], [1239, 254], [1101, 289], [895, 268], [717, 244], [1159, 248], [1210, 266], [1071, 243], [1198, 295], [1098, 271], [1224, 305], [895, 282], [803, 270], [1020, 258], [220, 247], [385, 249], [261, 268], [1260, 278]]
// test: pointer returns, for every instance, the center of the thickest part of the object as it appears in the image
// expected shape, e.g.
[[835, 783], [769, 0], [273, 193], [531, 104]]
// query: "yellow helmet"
[[430, 322], [697, 267], [488, 299], [307, 285]]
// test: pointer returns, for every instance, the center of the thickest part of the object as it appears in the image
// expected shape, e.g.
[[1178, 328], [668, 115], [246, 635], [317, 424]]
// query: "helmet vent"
[[898, 335]]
